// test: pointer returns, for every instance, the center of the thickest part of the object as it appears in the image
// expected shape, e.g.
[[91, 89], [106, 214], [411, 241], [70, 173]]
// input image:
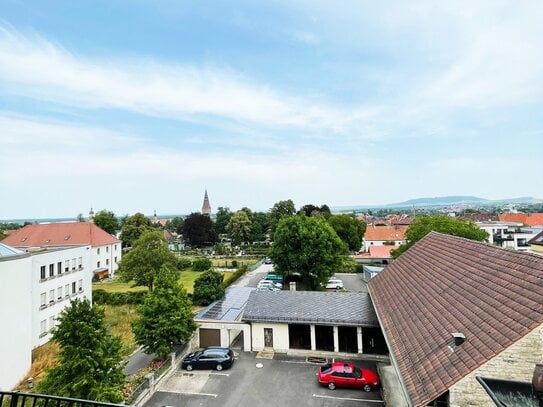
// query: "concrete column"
[[225, 337], [312, 335], [336, 339], [247, 339], [359, 339]]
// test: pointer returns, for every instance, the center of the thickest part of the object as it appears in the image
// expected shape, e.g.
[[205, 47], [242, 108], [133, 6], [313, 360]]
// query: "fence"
[[17, 399]]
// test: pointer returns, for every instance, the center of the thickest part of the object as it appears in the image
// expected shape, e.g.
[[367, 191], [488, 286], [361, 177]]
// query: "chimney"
[[459, 338], [537, 383]]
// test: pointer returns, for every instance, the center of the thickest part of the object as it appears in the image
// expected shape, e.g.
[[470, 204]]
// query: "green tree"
[[142, 263], [133, 227], [308, 246], [208, 288], [239, 227], [199, 230], [313, 210], [89, 361], [165, 319], [260, 226], [107, 221], [201, 264], [349, 229], [279, 211], [176, 225], [2, 235], [222, 218], [424, 224]]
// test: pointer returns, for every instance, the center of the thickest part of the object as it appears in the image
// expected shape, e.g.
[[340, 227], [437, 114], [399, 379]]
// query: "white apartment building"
[[36, 287], [105, 249], [509, 235]]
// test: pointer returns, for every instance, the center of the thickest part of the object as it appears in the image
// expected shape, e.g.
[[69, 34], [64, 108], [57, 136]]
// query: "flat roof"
[[229, 308]]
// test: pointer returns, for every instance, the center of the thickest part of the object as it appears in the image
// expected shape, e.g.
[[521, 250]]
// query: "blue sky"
[[136, 106]]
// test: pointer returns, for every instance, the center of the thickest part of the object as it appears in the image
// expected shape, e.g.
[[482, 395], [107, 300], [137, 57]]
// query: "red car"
[[345, 374]]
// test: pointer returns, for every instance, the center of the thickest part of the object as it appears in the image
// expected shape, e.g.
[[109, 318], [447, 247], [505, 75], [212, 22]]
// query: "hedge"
[[104, 297]]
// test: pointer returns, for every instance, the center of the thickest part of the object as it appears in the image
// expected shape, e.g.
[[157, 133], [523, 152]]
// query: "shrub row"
[[231, 277], [103, 297]]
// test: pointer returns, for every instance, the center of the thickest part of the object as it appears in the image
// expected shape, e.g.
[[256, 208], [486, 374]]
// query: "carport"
[[314, 321]]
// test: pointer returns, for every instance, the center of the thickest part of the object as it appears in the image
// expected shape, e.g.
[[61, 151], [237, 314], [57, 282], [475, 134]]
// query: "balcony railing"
[[18, 399]]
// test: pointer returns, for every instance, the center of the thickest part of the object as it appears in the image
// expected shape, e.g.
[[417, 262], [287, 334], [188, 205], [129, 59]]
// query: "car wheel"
[[367, 387], [338, 288], [331, 386], [189, 367], [219, 367]]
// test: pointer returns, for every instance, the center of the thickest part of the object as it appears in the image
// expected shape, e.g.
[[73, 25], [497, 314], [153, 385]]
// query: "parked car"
[[209, 358], [345, 374], [267, 260], [335, 283], [276, 278], [268, 284]]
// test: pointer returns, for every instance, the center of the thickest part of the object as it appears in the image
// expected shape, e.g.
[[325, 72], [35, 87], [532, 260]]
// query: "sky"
[[137, 106]]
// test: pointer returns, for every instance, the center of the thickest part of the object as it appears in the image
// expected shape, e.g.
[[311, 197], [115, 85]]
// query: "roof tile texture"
[[446, 284], [60, 234], [385, 233]]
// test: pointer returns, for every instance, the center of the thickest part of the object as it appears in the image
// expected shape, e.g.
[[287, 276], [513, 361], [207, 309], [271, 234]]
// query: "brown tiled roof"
[[385, 233], [445, 284], [60, 234], [381, 251], [535, 219], [513, 217], [480, 217]]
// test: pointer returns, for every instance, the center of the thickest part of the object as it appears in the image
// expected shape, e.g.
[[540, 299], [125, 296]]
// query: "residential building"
[[536, 243], [509, 235], [105, 248], [453, 310], [383, 235], [375, 255]]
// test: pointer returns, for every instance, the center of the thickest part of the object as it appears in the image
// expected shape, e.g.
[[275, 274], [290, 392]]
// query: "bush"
[[208, 288], [183, 263], [103, 297], [201, 264], [234, 263], [231, 277]]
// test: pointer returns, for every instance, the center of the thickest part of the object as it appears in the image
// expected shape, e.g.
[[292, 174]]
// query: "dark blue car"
[[209, 358]]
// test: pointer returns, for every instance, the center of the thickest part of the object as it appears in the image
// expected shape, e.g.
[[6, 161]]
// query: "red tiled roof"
[[445, 284], [513, 217], [60, 234], [385, 233], [381, 252], [535, 219]]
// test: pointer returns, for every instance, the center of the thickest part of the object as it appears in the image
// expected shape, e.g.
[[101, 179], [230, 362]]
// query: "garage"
[[347, 339], [374, 341], [324, 338], [299, 336], [209, 337]]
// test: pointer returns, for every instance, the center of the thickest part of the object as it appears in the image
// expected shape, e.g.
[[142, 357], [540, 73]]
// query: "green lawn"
[[119, 318], [116, 286], [186, 279]]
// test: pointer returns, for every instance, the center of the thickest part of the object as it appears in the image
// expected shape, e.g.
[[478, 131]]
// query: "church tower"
[[206, 207]]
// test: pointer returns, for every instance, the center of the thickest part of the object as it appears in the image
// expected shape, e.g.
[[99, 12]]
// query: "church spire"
[[206, 207]]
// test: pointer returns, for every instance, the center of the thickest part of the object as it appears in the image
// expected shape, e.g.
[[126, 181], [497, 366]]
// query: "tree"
[[165, 318], [208, 288], [313, 210], [175, 225], [107, 221], [133, 227], [222, 218], [239, 227], [280, 210], [260, 225], [2, 235], [89, 361], [308, 246], [143, 262], [424, 224], [349, 229], [199, 230]]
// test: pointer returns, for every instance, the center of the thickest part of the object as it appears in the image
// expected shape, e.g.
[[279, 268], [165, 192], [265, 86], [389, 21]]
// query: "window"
[[97, 264], [59, 268], [67, 290], [73, 287], [115, 247], [51, 322], [80, 262], [43, 327], [107, 262], [42, 273], [59, 293], [115, 259], [98, 251], [42, 300], [80, 285], [51, 296], [107, 249], [73, 264], [51, 270], [67, 266]]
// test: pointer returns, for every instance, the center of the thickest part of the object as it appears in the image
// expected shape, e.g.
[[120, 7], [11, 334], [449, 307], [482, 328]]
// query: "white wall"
[[81, 276], [15, 311], [280, 336], [108, 256]]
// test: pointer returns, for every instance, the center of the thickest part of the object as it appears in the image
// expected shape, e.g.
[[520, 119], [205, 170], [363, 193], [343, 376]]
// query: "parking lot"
[[282, 381]]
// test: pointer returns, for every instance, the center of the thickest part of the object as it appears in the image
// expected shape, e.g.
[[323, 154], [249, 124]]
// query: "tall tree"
[[133, 227], [260, 226], [239, 227], [279, 211], [222, 218], [424, 224], [176, 225], [308, 246], [349, 229], [165, 318], [199, 230], [90, 362], [208, 288], [143, 262], [107, 221], [313, 210]]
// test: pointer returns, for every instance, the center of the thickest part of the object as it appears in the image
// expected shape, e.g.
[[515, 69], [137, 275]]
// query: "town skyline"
[[136, 107]]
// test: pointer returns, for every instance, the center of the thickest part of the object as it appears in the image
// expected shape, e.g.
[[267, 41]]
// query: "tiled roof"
[[480, 217], [311, 307], [537, 239], [513, 217], [385, 233], [60, 234], [535, 219], [445, 284], [381, 252]]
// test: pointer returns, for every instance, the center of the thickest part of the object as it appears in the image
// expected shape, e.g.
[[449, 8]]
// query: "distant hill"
[[441, 200]]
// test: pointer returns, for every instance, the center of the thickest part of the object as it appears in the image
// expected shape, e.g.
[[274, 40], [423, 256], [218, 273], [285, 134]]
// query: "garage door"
[[210, 337]]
